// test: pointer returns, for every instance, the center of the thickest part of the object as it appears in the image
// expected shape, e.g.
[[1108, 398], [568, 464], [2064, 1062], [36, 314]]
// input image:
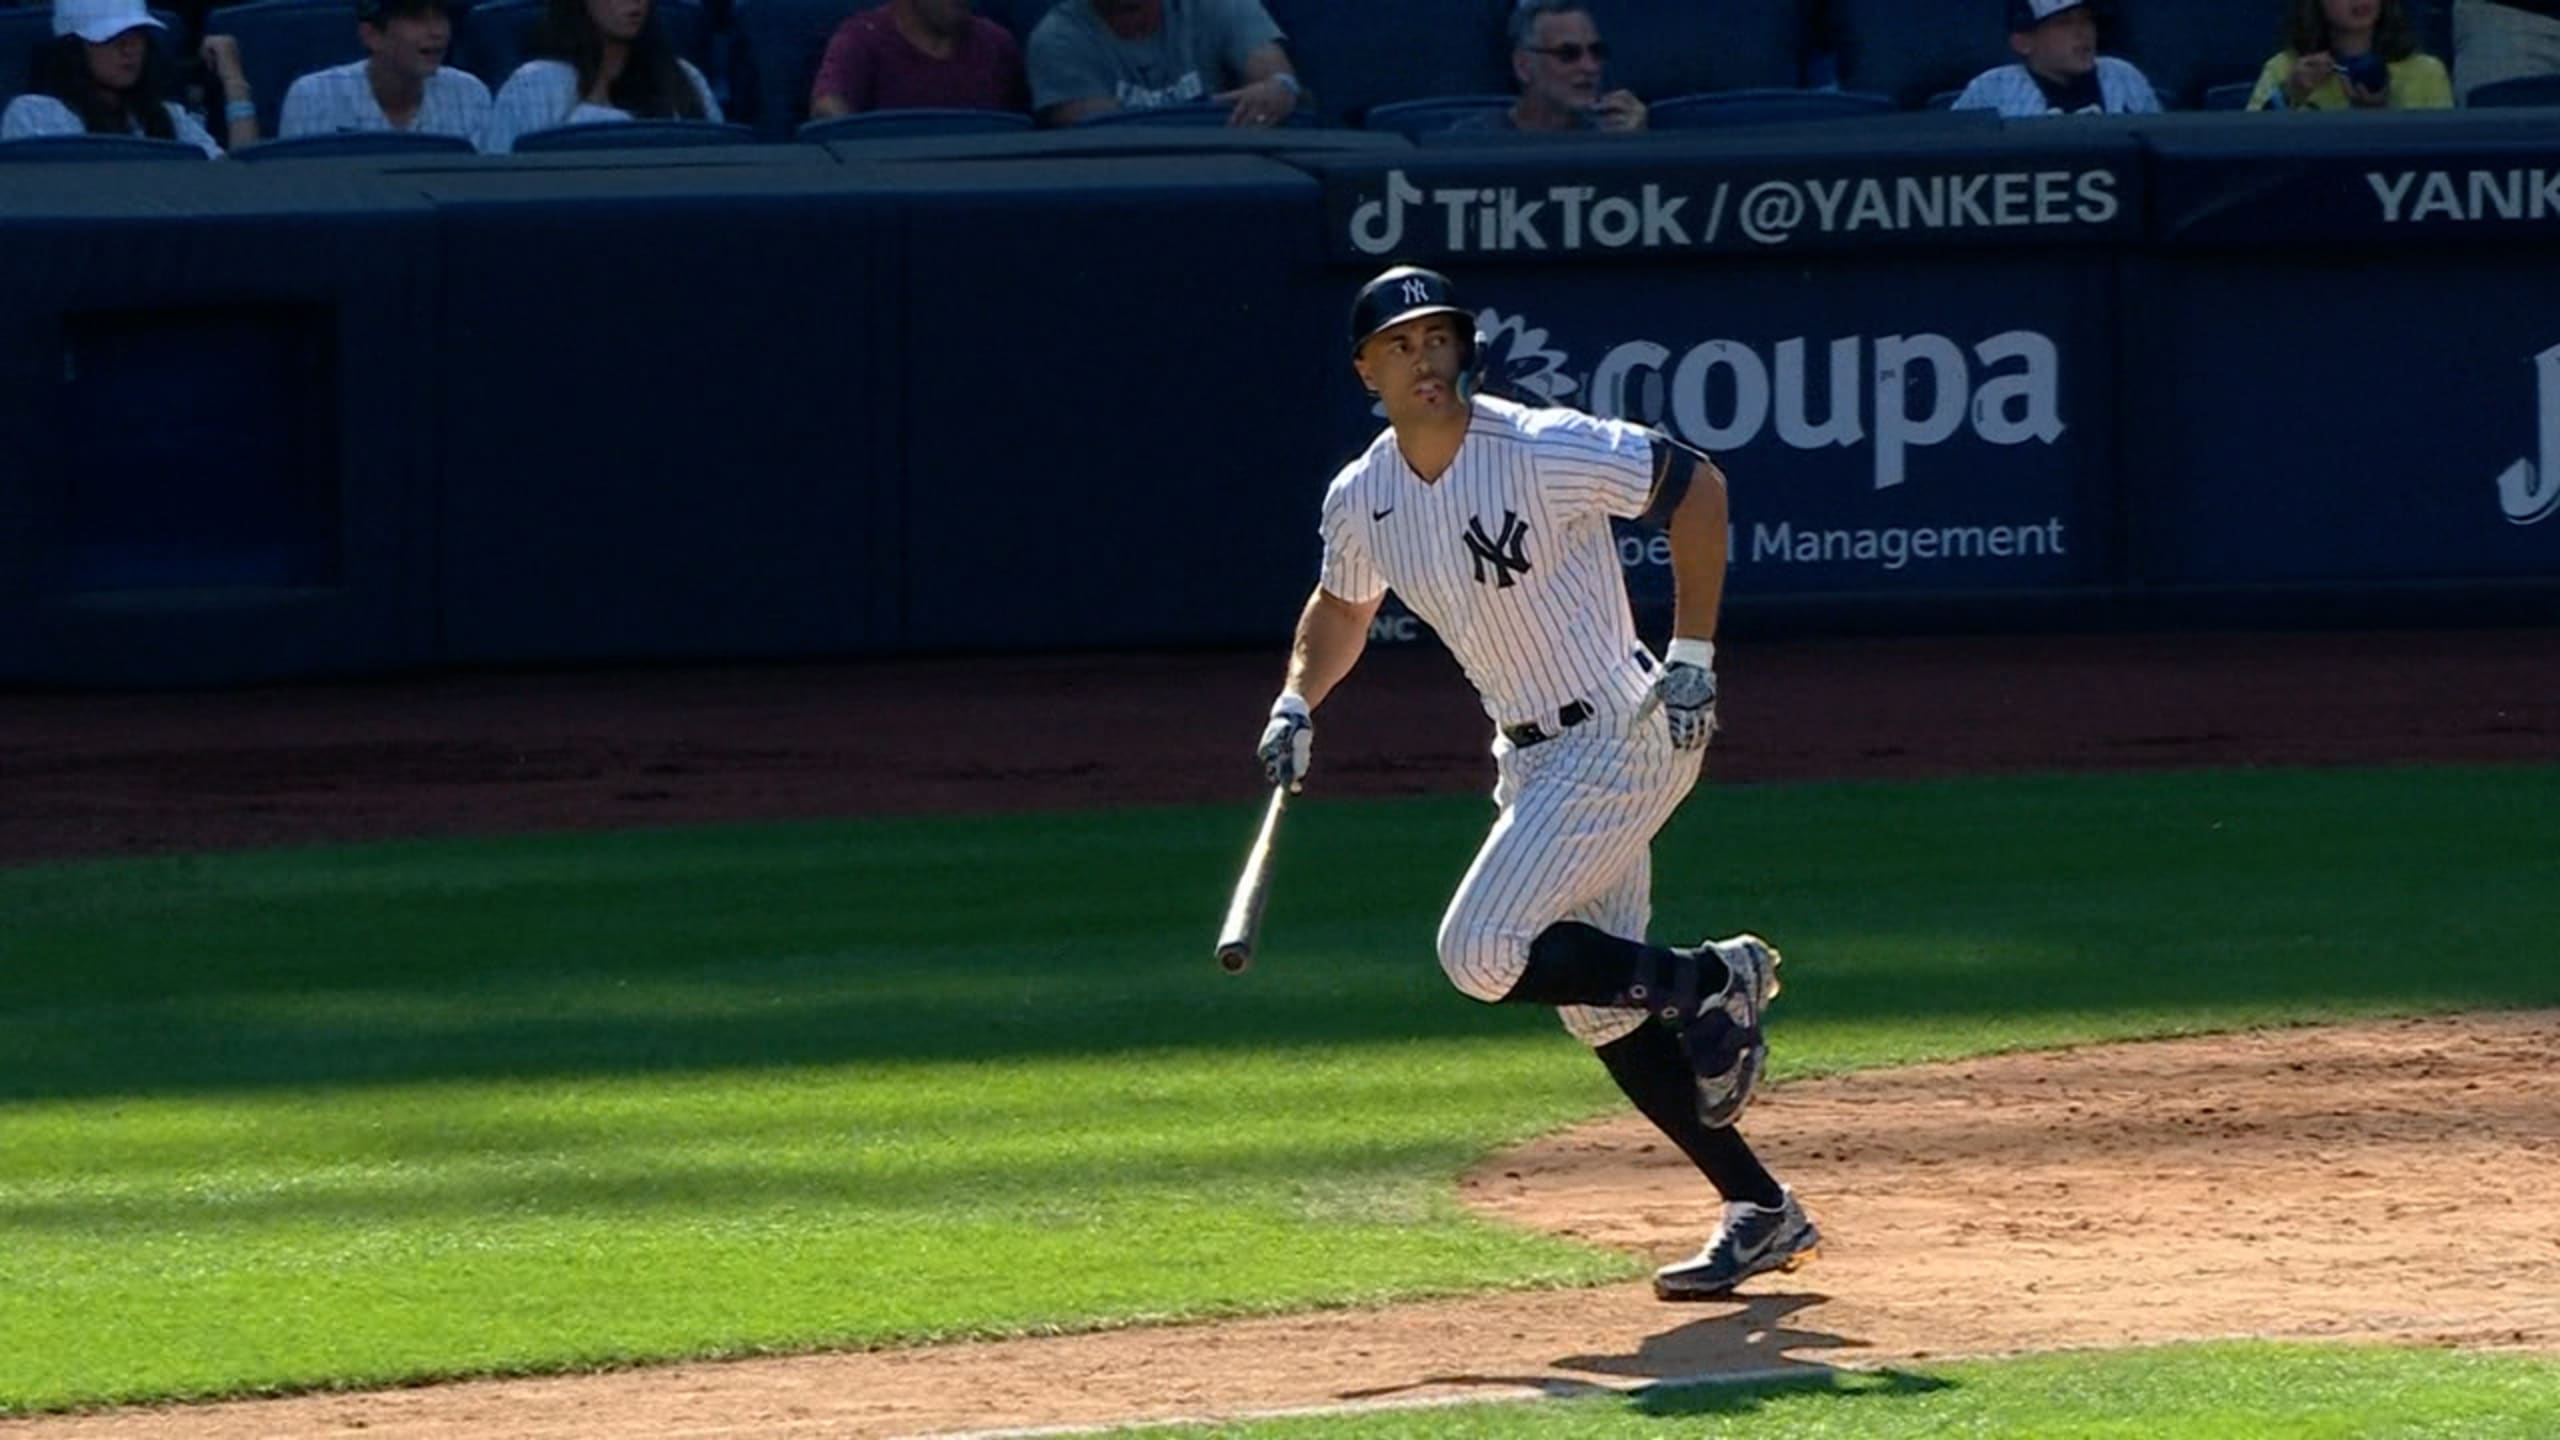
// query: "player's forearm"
[[1699, 535], [1331, 634]]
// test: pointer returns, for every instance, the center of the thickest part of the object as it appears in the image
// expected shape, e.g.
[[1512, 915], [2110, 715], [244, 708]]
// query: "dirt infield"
[[2288, 1183]]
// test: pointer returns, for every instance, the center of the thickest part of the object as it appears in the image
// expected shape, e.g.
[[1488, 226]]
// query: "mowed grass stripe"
[[355, 1116]]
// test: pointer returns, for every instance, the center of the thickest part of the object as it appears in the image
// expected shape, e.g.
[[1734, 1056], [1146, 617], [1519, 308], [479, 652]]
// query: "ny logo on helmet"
[[1417, 291]]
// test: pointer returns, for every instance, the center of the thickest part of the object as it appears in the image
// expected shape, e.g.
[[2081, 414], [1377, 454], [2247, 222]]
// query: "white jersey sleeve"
[[1350, 572], [1592, 466]]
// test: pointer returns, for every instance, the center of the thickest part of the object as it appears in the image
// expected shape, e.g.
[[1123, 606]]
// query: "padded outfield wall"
[[1083, 390]]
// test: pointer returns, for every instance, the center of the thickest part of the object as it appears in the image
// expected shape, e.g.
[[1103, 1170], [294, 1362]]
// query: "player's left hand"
[[1685, 689], [1619, 110], [1260, 104]]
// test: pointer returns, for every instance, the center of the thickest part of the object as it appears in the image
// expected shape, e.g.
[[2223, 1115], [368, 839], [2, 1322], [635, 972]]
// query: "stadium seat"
[[356, 142], [2234, 96], [83, 149], [284, 40], [779, 45], [1943, 100], [1763, 107], [1203, 115], [1353, 54], [497, 36], [1421, 117], [885, 124], [2189, 46], [633, 135], [1690, 47], [2529, 90], [1913, 49]]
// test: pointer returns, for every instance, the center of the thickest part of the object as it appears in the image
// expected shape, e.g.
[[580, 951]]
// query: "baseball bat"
[[1237, 938]]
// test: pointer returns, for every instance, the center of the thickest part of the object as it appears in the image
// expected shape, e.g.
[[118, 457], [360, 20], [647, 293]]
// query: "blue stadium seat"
[[356, 142], [1422, 117], [497, 36], [1352, 54], [2234, 96], [1688, 47], [779, 45], [1203, 115], [283, 40], [1912, 49], [1763, 107], [1943, 100], [633, 135], [2189, 46], [83, 149], [2529, 90], [886, 124]]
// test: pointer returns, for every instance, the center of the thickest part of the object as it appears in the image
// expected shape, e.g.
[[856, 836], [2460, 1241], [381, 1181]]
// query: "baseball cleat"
[[1750, 1241], [1725, 1043]]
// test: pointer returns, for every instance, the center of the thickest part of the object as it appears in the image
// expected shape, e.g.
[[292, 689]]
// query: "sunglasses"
[[1571, 53]]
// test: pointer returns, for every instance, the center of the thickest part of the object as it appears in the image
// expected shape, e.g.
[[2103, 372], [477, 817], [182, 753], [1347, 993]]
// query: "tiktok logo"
[[2529, 491]]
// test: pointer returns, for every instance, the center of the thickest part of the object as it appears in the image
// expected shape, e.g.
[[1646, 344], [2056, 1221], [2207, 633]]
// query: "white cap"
[[99, 21]]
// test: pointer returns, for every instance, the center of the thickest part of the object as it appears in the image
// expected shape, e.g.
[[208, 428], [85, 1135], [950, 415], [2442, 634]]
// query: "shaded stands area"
[[1355, 56], [1082, 389]]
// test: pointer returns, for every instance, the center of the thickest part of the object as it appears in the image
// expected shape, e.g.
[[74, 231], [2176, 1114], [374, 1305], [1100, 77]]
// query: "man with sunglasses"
[[1557, 54]]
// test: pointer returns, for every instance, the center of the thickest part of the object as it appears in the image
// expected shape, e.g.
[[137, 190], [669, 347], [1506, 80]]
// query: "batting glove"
[[1686, 691], [1288, 742]]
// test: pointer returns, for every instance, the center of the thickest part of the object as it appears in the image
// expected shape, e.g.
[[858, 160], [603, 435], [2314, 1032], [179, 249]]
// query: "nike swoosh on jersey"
[[1382, 514]]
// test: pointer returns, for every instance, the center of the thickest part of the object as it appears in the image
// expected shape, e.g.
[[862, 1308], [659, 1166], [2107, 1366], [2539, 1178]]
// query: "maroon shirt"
[[870, 66]]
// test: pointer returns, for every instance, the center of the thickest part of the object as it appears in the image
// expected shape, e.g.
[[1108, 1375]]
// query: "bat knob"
[[1234, 961]]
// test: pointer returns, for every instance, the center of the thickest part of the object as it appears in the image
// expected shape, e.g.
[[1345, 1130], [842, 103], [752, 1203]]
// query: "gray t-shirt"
[[1200, 51]]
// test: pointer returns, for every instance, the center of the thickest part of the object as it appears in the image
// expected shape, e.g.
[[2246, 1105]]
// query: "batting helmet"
[[1409, 292]]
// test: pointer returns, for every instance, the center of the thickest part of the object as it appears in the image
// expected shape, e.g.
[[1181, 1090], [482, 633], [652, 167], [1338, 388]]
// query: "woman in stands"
[[2352, 55], [610, 60], [100, 75]]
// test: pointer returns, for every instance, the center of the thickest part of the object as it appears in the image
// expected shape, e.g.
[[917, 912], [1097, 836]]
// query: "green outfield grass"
[[353, 1116], [2199, 1392]]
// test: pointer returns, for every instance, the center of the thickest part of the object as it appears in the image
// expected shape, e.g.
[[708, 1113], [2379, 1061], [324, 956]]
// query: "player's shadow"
[[1746, 1340]]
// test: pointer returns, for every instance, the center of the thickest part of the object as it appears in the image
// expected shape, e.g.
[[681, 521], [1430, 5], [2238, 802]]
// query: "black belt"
[[1529, 732]]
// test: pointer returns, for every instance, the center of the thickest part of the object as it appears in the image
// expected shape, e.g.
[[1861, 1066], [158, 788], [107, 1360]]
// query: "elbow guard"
[[1676, 464]]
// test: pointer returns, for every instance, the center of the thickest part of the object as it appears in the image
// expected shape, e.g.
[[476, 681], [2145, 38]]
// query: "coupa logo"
[[2529, 491], [1899, 393]]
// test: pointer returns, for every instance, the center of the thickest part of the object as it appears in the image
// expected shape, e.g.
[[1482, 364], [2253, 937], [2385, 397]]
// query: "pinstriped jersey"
[[1508, 555]]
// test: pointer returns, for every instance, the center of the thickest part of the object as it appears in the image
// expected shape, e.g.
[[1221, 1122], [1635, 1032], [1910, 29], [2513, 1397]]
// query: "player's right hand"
[[1288, 743]]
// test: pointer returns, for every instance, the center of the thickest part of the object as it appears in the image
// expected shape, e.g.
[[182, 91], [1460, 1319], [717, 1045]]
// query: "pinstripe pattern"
[[1578, 813], [340, 100]]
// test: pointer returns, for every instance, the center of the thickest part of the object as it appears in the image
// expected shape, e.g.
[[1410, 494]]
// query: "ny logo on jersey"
[[1507, 552], [1417, 291]]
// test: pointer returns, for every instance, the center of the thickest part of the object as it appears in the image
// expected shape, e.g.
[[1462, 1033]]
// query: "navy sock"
[[1651, 1068], [1571, 963]]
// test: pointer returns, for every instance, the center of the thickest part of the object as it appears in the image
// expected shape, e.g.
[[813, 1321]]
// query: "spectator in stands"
[[2497, 40], [919, 54], [403, 84], [2351, 54], [1556, 55], [99, 75], [2060, 71], [1090, 57], [610, 60]]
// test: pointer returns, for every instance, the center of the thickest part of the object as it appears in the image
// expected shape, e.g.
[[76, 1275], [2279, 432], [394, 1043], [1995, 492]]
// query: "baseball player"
[[1491, 520]]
